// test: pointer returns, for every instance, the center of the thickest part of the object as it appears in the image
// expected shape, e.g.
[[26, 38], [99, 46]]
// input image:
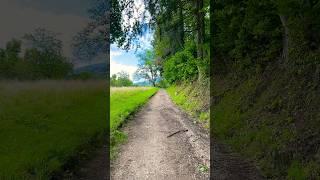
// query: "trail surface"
[[151, 153], [160, 148]]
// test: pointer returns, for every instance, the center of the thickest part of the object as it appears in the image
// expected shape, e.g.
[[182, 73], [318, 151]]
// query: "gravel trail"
[[151, 154]]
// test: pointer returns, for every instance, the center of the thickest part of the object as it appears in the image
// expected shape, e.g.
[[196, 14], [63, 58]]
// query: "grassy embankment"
[[272, 119], [194, 98], [123, 103], [45, 124]]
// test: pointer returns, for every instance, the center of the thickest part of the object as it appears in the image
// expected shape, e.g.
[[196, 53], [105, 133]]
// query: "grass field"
[[45, 123], [123, 102]]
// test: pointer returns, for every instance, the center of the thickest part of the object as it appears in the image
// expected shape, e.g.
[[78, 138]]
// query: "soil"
[[165, 143], [151, 153]]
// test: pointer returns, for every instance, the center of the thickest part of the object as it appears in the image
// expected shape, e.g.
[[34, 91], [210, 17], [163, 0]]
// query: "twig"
[[185, 130]]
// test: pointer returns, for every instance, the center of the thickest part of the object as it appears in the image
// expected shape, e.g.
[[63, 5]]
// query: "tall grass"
[[194, 99], [45, 123]]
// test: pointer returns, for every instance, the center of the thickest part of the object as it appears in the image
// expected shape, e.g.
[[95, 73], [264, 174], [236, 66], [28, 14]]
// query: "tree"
[[10, 56], [148, 68], [44, 41], [113, 80], [124, 79], [94, 39], [44, 52], [199, 12], [177, 24], [121, 79]]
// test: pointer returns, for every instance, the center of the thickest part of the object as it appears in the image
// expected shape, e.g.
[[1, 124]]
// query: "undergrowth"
[[194, 99], [272, 119]]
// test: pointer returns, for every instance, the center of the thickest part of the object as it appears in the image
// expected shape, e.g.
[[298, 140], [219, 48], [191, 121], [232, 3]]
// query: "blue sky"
[[121, 60]]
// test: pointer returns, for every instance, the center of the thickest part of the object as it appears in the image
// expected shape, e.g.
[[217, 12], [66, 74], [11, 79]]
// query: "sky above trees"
[[122, 60], [18, 17]]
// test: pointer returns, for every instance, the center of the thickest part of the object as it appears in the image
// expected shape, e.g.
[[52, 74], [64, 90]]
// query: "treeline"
[[37, 55], [182, 39], [266, 75], [120, 79], [248, 35]]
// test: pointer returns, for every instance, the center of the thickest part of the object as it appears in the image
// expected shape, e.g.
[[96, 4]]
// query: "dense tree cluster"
[[120, 79], [267, 54], [248, 35], [41, 59]]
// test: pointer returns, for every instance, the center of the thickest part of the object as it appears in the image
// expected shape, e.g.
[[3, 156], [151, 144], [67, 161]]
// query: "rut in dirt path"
[[151, 153]]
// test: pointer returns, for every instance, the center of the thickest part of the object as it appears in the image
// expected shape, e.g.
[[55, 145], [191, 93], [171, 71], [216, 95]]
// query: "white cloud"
[[115, 53], [116, 67], [138, 10]]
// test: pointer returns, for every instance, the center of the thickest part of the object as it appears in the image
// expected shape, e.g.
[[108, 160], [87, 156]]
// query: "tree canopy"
[[181, 35]]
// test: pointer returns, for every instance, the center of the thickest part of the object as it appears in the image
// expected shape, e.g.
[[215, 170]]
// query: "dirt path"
[[151, 154], [227, 165]]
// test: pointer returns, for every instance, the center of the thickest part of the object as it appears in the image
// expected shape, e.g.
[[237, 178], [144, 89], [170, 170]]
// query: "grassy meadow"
[[45, 123], [123, 102]]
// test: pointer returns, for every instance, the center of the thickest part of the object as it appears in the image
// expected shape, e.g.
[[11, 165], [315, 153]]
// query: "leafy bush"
[[181, 66], [121, 80], [163, 83]]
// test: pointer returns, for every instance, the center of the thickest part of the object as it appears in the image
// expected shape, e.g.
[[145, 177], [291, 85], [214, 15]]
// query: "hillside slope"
[[273, 119]]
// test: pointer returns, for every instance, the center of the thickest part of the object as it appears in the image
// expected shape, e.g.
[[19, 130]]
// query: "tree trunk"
[[285, 45], [200, 36], [181, 25]]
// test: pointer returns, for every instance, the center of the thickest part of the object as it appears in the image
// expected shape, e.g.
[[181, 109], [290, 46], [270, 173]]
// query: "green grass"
[[44, 124], [123, 103], [259, 119], [190, 100]]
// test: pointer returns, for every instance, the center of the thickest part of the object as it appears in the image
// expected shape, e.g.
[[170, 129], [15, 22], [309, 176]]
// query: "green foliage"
[[163, 83], [177, 25], [182, 66], [120, 80], [148, 67], [203, 168], [249, 34], [295, 171], [41, 60], [269, 52], [193, 100], [262, 119]]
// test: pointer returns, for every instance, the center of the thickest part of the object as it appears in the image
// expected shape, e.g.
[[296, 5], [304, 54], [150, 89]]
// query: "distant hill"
[[97, 69]]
